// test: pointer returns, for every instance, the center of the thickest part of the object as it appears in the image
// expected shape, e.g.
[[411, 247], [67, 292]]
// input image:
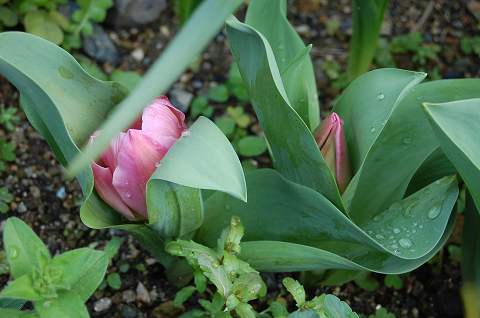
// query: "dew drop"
[[419, 74], [128, 194], [126, 182], [405, 243], [383, 122], [203, 268], [191, 254], [381, 96], [398, 252], [396, 230], [46, 304], [233, 273], [372, 129], [407, 140], [415, 223], [419, 97], [391, 237], [426, 191], [299, 290], [157, 164], [280, 46], [228, 303], [253, 291], [420, 227], [186, 133], [394, 246], [435, 211], [412, 250], [380, 236], [437, 182], [14, 252], [225, 263], [414, 231], [215, 264], [283, 59], [378, 218]]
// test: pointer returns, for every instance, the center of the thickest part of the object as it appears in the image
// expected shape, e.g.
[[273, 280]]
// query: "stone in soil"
[[131, 13]]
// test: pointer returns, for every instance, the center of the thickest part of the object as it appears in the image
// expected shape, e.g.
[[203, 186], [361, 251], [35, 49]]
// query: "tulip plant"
[[373, 187]]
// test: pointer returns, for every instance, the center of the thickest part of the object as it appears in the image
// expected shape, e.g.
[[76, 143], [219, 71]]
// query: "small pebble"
[[21, 208], [138, 54], [102, 304], [128, 312], [142, 293], [129, 296]]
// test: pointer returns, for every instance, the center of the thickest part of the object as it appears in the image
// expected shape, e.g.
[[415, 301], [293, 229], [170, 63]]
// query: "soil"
[[50, 204]]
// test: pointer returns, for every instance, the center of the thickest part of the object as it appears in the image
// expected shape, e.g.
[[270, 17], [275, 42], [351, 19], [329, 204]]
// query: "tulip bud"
[[331, 140], [123, 170]]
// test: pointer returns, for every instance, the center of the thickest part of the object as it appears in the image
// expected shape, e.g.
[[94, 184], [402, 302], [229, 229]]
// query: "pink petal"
[[137, 160], [162, 118], [103, 184]]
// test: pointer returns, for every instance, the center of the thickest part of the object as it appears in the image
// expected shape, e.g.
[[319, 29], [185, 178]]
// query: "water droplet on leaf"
[[381, 96], [372, 129], [126, 182], [380, 236], [383, 122], [186, 133], [299, 290], [157, 164], [435, 211], [405, 243], [215, 264], [407, 140], [128, 194], [14, 252], [378, 218], [396, 230]]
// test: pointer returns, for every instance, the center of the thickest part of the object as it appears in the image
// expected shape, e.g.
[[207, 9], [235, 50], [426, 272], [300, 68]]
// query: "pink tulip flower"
[[331, 140], [122, 172]]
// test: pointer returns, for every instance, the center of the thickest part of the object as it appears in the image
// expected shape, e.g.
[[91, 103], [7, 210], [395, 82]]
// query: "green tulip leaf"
[[83, 268], [203, 158], [313, 234], [64, 103], [67, 305], [291, 56], [292, 146], [401, 147], [456, 128], [367, 22], [25, 251]]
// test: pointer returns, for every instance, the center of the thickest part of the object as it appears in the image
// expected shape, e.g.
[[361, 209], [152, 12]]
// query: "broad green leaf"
[[292, 146], [200, 28], [203, 158], [68, 305], [367, 104], [173, 209], [83, 268], [313, 234], [249, 285], [367, 21], [62, 101], [456, 128], [334, 307], [435, 166], [21, 288], [23, 248], [304, 314], [269, 18], [407, 135]]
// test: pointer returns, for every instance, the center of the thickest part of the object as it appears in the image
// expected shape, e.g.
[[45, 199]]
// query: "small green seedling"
[[382, 313], [200, 106], [58, 287], [393, 281], [6, 154], [5, 198], [8, 117]]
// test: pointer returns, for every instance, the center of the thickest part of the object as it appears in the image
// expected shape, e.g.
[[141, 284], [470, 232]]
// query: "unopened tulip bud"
[[122, 172], [331, 140]]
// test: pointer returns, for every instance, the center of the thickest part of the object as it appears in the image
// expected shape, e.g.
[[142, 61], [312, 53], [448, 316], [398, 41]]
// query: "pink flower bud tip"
[[331, 140]]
